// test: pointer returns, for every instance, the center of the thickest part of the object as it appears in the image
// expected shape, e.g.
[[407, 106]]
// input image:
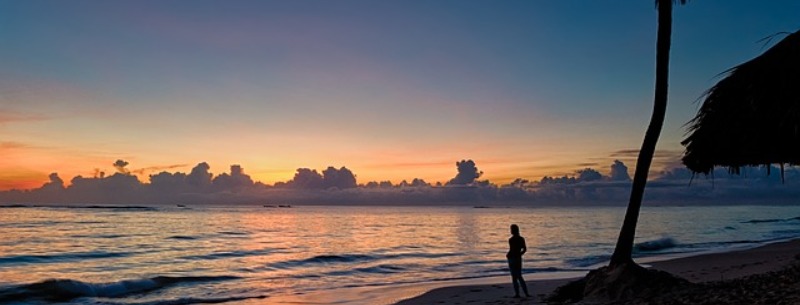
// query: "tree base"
[[619, 283]]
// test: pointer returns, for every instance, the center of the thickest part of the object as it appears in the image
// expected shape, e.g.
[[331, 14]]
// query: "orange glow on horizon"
[[21, 180], [497, 172]]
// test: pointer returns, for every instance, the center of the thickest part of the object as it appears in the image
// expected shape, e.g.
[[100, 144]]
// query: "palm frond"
[[752, 116]]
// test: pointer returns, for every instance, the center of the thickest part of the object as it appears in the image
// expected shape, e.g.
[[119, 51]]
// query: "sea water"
[[196, 254]]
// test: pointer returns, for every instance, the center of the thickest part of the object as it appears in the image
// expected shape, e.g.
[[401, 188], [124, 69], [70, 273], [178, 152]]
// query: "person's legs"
[[524, 286], [516, 285], [516, 272]]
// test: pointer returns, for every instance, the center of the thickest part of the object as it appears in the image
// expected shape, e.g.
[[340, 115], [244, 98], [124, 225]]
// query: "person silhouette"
[[516, 248]]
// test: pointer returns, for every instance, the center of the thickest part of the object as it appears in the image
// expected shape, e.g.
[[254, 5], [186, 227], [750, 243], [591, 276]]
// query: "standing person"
[[516, 248]]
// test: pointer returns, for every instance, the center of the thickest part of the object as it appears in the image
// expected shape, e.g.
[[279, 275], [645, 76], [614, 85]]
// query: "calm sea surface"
[[173, 255]]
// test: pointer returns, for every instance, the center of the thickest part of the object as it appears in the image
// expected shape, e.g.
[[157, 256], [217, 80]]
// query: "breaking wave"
[[655, 245], [61, 290]]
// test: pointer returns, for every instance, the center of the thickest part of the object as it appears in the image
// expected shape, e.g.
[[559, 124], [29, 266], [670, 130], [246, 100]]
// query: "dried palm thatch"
[[752, 116]]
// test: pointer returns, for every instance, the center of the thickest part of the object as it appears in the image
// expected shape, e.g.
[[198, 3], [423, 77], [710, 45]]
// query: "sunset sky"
[[392, 90]]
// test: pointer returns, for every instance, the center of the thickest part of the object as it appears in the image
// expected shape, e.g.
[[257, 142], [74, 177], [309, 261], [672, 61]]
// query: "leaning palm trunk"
[[624, 249], [622, 278]]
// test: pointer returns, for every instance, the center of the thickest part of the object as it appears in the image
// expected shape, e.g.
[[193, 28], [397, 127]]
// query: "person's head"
[[514, 230]]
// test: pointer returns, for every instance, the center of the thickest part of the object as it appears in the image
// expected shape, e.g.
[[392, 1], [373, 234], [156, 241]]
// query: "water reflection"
[[302, 249]]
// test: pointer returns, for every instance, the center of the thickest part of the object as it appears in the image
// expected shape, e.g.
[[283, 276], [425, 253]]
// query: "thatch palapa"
[[752, 116]]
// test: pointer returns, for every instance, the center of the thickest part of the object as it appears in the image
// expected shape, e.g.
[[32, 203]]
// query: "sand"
[[703, 268]]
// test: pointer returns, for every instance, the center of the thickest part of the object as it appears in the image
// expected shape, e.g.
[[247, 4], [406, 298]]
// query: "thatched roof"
[[752, 116]]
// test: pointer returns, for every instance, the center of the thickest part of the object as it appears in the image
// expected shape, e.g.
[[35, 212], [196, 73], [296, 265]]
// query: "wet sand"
[[699, 269]]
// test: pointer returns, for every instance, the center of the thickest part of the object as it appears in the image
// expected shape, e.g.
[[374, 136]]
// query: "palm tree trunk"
[[624, 249]]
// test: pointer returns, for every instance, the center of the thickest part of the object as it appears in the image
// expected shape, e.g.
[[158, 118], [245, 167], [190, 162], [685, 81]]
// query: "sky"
[[392, 90]]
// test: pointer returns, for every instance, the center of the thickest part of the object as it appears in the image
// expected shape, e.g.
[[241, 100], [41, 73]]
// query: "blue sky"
[[393, 90]]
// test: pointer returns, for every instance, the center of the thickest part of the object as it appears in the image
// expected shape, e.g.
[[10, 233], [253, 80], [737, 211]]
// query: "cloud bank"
[[588, 186]]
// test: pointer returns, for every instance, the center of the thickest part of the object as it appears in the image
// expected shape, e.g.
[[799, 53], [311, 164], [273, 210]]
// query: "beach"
[[759, 263]]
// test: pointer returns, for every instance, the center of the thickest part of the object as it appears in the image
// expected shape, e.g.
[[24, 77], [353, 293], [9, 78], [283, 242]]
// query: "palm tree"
[[624, 249], [623, 278]]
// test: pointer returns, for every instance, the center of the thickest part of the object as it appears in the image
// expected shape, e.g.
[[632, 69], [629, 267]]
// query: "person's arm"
[[524, 247]]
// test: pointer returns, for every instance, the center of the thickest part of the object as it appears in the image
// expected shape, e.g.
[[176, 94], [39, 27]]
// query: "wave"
[[219, 255], [764, 220], [587, 261], [183, 301], [103, 236], [11, 206], [233, 233], [651, 247], [336, 259], [320, 259], [61, 290], [782, 234], [114, 207], [379, 269], [655, 245], [382, 269], [97, 207], [51, 258], [182, 237], [351, 258], [771, 220]]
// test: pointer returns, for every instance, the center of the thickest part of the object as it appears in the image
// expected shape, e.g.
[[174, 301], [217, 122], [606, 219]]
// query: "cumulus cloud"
[[588, 175], [467, 173], [168, 182], [120, 166], [341, 178], [587, 186], [55, 183], [235, 181], [199, 177], [518, 183], [619, 171], [417, 182], [331, 177], [306, 178]]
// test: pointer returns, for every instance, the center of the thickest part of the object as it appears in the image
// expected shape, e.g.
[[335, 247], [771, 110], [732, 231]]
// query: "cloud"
[[199, 178], [583, 175], [619, 172], [13, 117], [144, 170], [589, 174], [120, 166], [306, 178], [467, 173], [169, 182], [587, 186], [55, 183], [342, 178], [12, 145], [419, 183], [117, 188], [331, 177], [235, 181]]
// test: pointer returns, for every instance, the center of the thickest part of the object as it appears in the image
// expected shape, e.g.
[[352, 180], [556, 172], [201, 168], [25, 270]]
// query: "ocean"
[[209, 254]]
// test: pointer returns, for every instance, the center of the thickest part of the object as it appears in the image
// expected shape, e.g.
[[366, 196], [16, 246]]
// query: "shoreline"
[[696, 267], [699, 268]]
